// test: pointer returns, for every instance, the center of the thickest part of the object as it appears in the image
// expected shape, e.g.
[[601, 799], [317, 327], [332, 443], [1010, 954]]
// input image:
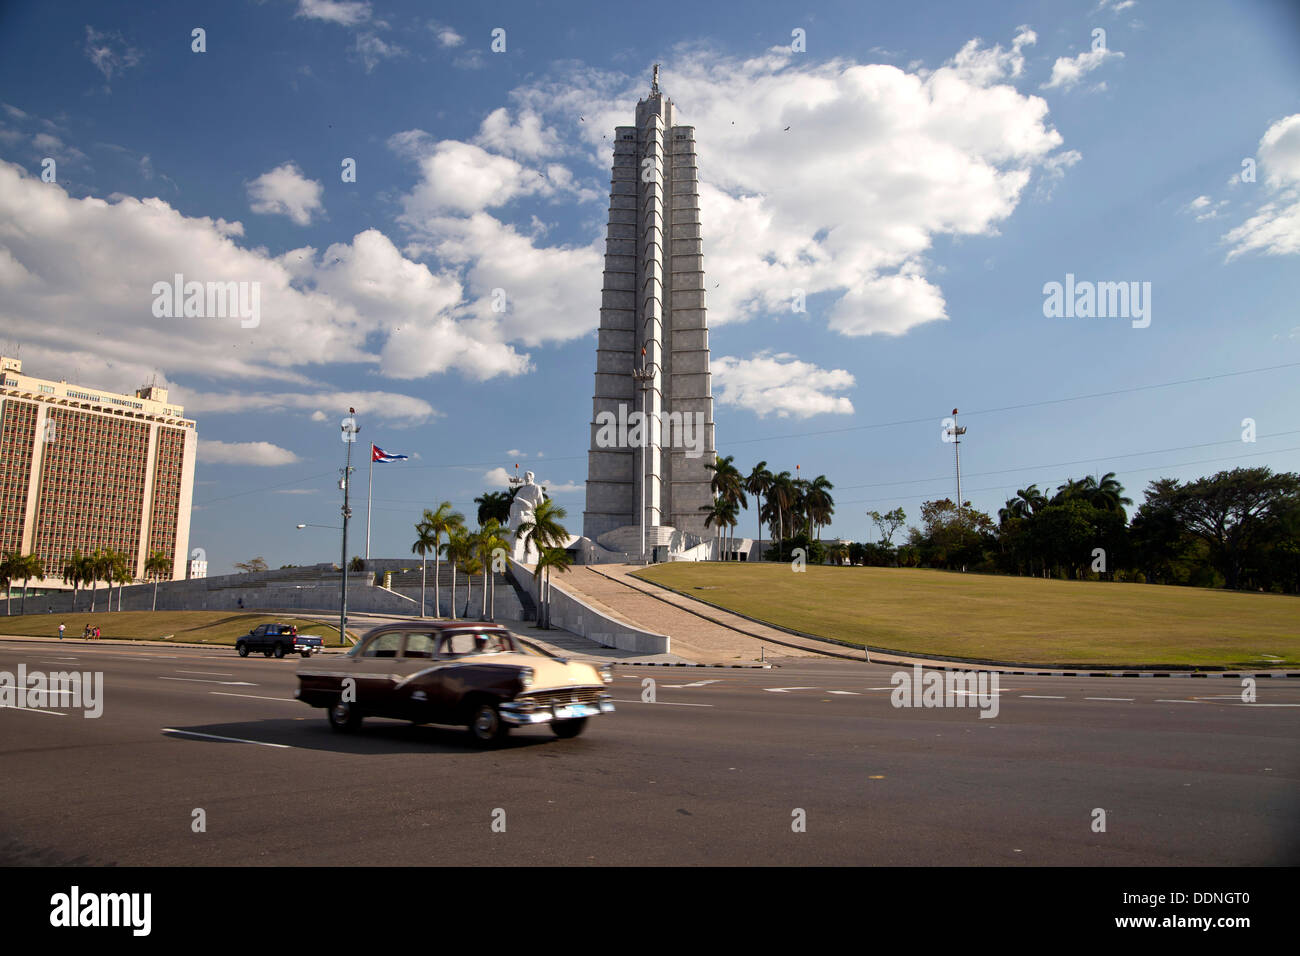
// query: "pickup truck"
[[278, 640]]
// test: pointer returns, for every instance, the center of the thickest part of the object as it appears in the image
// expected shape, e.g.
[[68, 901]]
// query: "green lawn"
[[1023, 620], [187, 627]]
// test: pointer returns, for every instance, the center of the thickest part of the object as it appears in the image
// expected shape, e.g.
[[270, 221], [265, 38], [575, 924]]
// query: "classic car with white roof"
[[471, 674]]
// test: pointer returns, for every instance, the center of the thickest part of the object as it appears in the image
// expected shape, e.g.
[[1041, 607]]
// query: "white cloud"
[[358, 302], [915, 155], [1115, 6], [447, 37], [343, 12], [254, 453], [374, 50], [389, 407], [285, 191], [1068, 71], [1203, 208], [109, 52], [500, 478], [1274, 229], [782, 385]]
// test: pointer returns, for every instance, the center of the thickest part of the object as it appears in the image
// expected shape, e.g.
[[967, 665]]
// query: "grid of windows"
[[17, 437], [166, 490], [91, 486]]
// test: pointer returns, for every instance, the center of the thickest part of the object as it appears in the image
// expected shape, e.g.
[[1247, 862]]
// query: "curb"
[[684, 664]]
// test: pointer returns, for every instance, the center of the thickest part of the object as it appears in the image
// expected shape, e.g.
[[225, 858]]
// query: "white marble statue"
[[525, 502]]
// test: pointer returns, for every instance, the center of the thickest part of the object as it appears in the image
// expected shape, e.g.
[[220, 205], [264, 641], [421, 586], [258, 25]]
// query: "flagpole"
[[370, 490]]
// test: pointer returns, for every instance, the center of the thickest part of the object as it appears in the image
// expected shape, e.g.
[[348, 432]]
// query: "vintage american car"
[[472, 674]]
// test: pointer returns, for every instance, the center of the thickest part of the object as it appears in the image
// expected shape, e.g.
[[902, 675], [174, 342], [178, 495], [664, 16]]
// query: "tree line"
[[102, 564], [1237, 529]]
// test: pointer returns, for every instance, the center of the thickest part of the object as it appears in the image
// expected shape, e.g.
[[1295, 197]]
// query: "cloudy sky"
[[915, 174]]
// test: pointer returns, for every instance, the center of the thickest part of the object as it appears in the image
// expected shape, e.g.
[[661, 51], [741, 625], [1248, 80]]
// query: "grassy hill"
[[1028, 620], [186, 627]]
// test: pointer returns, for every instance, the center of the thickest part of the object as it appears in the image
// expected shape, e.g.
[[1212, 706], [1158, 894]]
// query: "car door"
[[257, 638], [376, 671], [415, 694]]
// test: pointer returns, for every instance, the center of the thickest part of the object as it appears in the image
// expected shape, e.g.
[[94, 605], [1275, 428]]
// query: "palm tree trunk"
[[92, 597], [74, 599], [23, 608], [453, 590], [155, 595], [424, 570], [437, 573]]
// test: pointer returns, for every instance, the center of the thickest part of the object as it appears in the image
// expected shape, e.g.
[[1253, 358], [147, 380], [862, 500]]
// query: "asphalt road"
[[713, 772]]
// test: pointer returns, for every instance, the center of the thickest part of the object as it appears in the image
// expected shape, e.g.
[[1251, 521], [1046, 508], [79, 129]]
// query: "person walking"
[[96, 632], [61, 630], [85, 634]]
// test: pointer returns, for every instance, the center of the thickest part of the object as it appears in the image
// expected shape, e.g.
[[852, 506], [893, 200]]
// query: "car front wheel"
[[486, 726], [279, 650], [344, 718], [243, 650], [566, 729]]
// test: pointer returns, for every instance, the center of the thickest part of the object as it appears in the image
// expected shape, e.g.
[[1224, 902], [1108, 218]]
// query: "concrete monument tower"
[[652, 355]]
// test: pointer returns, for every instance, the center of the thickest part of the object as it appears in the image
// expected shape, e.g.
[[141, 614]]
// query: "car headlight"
[[526, 676], [607, 675]]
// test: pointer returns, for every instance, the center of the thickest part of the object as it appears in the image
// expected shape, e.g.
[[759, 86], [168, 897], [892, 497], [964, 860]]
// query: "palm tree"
[[494, 505], [782, 496], [471, 565], [28, 566], [720, 514], [544, 530], [121, 575], [821, 506], [729, 485], [9, 570], [1108, 494], [440, 522], [548, 558], [424, 543], [157, 566], [96, 570], [73, 574], [457, 550], [758, 484], [486, 542]]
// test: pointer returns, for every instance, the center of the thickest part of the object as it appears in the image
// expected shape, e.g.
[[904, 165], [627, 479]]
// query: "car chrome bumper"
[[521, 714]]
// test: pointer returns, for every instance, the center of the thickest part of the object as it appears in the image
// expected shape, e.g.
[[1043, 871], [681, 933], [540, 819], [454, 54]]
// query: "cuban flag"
[[381, 456]]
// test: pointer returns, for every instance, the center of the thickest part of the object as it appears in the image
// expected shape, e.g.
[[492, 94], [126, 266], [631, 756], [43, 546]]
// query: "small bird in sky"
[[582, 119], [787, 129]]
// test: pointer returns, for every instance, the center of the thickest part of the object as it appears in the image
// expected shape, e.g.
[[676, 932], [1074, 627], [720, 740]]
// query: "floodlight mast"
[[956, 431]]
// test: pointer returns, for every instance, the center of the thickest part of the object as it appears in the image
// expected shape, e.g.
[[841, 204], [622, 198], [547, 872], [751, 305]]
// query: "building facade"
[[652, 352], [82, 468]]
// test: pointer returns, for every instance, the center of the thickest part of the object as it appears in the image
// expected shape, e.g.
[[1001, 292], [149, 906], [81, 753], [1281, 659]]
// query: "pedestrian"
[[96, 632], [85, 634], [60, 630]]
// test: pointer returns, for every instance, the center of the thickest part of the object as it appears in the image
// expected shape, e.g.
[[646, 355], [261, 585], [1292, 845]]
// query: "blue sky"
[[944, 161]]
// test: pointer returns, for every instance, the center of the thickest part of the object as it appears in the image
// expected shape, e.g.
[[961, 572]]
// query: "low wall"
[[574, 614]]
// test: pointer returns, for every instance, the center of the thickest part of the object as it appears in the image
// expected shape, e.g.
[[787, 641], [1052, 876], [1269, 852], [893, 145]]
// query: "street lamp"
[[349, 428], [331, 527]]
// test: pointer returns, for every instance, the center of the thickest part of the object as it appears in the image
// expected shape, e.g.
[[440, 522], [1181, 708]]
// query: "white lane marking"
[[51, 662], [1268, 705], [65, 658], [149, 657], [785, 690], [850, 693], [200, 680], [669, 703], [222, 693], [1042, 697], [35, 710], [698, 683], [208, 673], [235, 740], [1109, 698], [1163, 701], [890, 687]]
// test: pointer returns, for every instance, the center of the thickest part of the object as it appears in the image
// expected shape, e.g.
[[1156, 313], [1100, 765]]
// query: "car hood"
[[549, 672]]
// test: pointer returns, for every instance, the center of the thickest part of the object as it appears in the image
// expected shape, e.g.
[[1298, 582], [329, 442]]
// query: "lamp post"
[[955, 432], [349, 428]]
